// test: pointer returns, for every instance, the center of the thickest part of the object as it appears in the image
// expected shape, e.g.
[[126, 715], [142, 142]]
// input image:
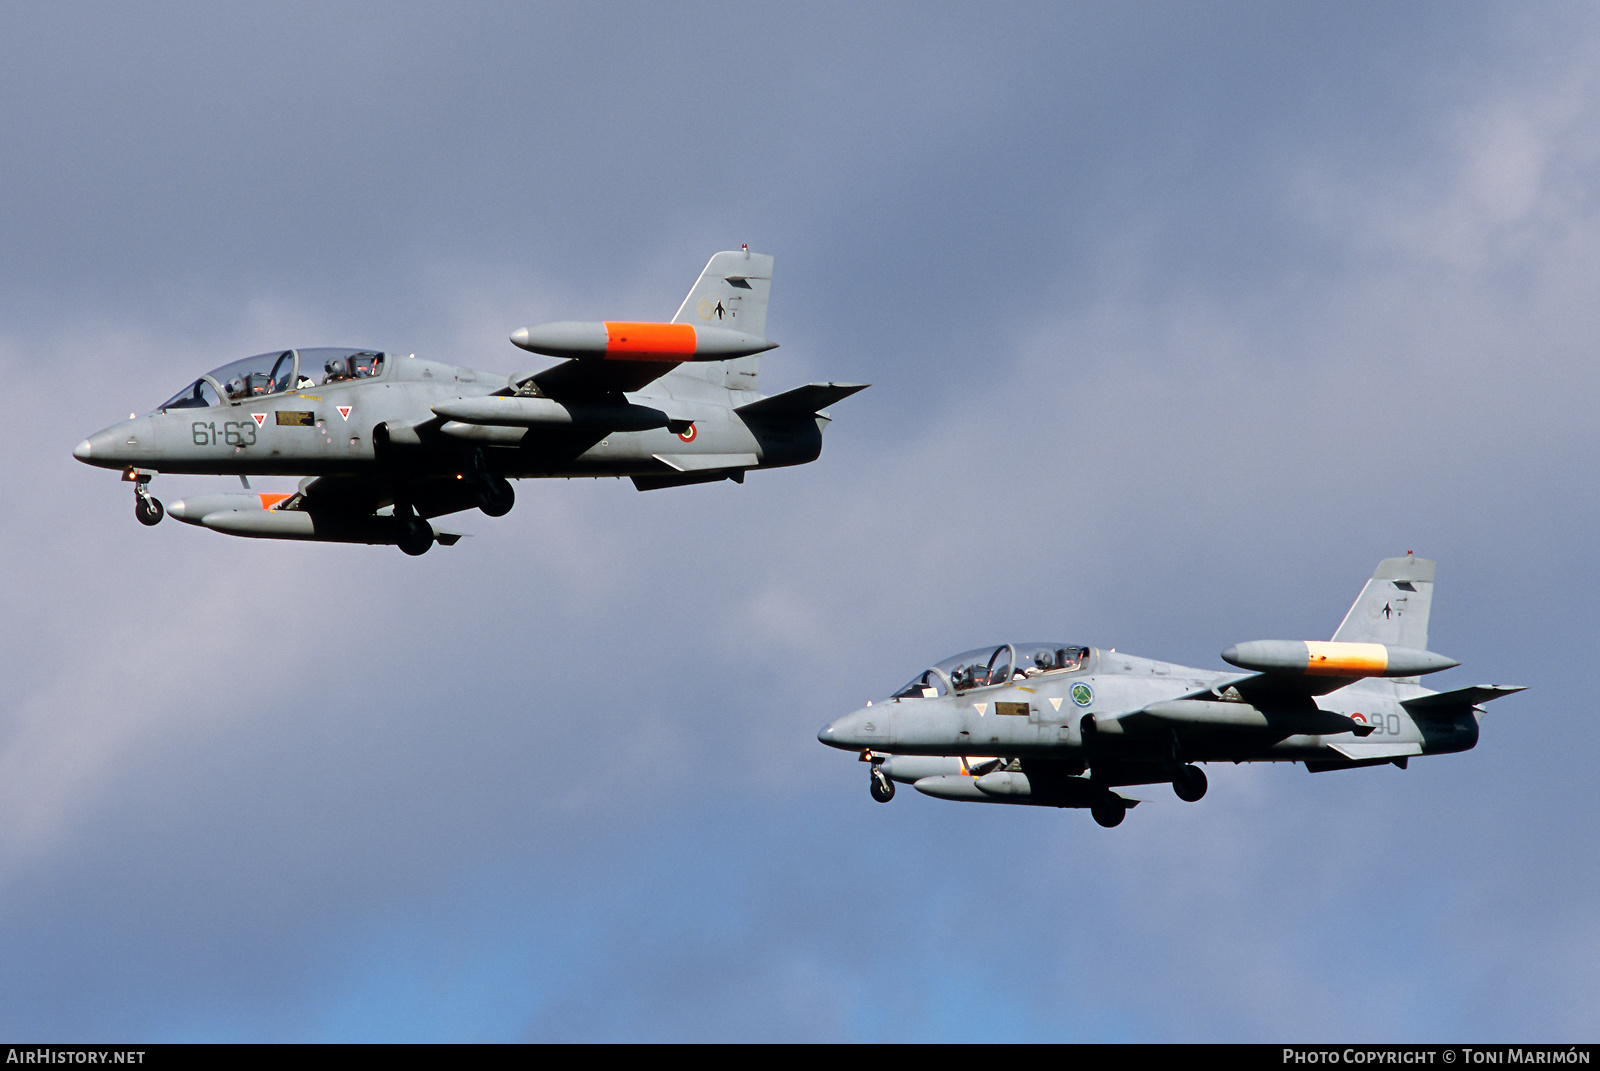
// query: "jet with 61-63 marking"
[[387, 443], [1059, 725]]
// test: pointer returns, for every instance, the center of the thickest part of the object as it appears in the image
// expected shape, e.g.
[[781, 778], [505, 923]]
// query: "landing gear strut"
[[1110, 809], [1189, 783], [146, 506], [882, 787]]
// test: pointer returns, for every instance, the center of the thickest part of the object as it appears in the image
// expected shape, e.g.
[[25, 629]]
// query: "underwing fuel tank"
[[193, 510], [619, 341], [1320, 659], [252, 515]]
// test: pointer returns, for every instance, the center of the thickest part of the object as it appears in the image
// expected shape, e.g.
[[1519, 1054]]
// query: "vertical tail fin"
[[1393, 607], [731, 292]]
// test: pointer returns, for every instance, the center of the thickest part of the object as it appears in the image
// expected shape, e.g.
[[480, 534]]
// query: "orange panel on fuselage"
[[268, 501], [649, 342]]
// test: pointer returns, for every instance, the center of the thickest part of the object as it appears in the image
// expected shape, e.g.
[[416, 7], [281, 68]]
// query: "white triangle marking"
[[982, 708], [259, 418], [1056, 703], [344, 411]]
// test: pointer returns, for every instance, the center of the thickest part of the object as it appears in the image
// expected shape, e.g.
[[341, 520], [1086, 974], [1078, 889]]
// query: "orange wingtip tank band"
[[1346, 659], [647, 342]]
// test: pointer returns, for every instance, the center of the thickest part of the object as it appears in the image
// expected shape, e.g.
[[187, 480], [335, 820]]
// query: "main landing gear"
[[1189, 783], [146, 506], [1110, 809], [416, 535], [495, 495], [882, 787], [492, 491]]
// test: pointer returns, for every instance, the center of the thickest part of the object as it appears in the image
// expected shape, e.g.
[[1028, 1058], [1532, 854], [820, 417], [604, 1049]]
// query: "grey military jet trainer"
[[1058, 725], [387, 442]]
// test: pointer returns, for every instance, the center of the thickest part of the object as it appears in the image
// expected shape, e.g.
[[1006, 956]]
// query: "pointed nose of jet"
[[519, 337], [867, 727], [108, 449]]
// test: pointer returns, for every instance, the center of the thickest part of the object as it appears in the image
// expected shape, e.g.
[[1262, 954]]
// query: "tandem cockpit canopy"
[[994, 665], [276, 373]]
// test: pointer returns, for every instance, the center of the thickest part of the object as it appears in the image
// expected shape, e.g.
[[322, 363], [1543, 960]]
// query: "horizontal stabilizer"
[[1461, 697], [684, 479], [1362, 751], [801, 401], [703, 462]]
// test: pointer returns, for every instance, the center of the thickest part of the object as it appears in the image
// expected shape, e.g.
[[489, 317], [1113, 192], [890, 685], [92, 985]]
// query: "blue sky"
[[1179, 318]]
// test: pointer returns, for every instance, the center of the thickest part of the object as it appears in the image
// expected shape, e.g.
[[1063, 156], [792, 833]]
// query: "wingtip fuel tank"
[[1325, 659], [627, 341]]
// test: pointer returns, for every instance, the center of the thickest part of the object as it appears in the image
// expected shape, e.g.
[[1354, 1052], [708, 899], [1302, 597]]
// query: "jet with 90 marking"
[[1059, 725], [385, 443]]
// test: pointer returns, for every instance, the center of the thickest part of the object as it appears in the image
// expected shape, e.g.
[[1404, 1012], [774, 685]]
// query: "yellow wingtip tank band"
[[1346, 659]]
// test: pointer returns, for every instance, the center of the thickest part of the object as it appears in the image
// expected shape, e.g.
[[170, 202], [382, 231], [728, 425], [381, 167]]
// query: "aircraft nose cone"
[[867, 727], [519, 337], [105, 449]]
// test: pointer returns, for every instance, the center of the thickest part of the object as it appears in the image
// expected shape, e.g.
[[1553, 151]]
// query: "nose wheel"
[[146, 506], [1189, 783], [882, 787]]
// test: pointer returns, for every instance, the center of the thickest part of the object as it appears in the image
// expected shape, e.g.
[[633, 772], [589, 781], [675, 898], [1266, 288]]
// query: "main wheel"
[[495, 496], [1109, 810], [149, 510], [416, 536], [1189, 783], [882, 787]]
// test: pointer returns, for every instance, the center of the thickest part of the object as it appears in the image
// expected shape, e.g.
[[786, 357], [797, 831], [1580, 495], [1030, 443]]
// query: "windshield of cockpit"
[[275, 373], [989, 666]]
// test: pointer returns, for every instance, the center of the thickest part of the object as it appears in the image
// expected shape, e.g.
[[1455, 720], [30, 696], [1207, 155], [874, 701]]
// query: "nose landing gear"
[[882, 787], [146, 506]]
